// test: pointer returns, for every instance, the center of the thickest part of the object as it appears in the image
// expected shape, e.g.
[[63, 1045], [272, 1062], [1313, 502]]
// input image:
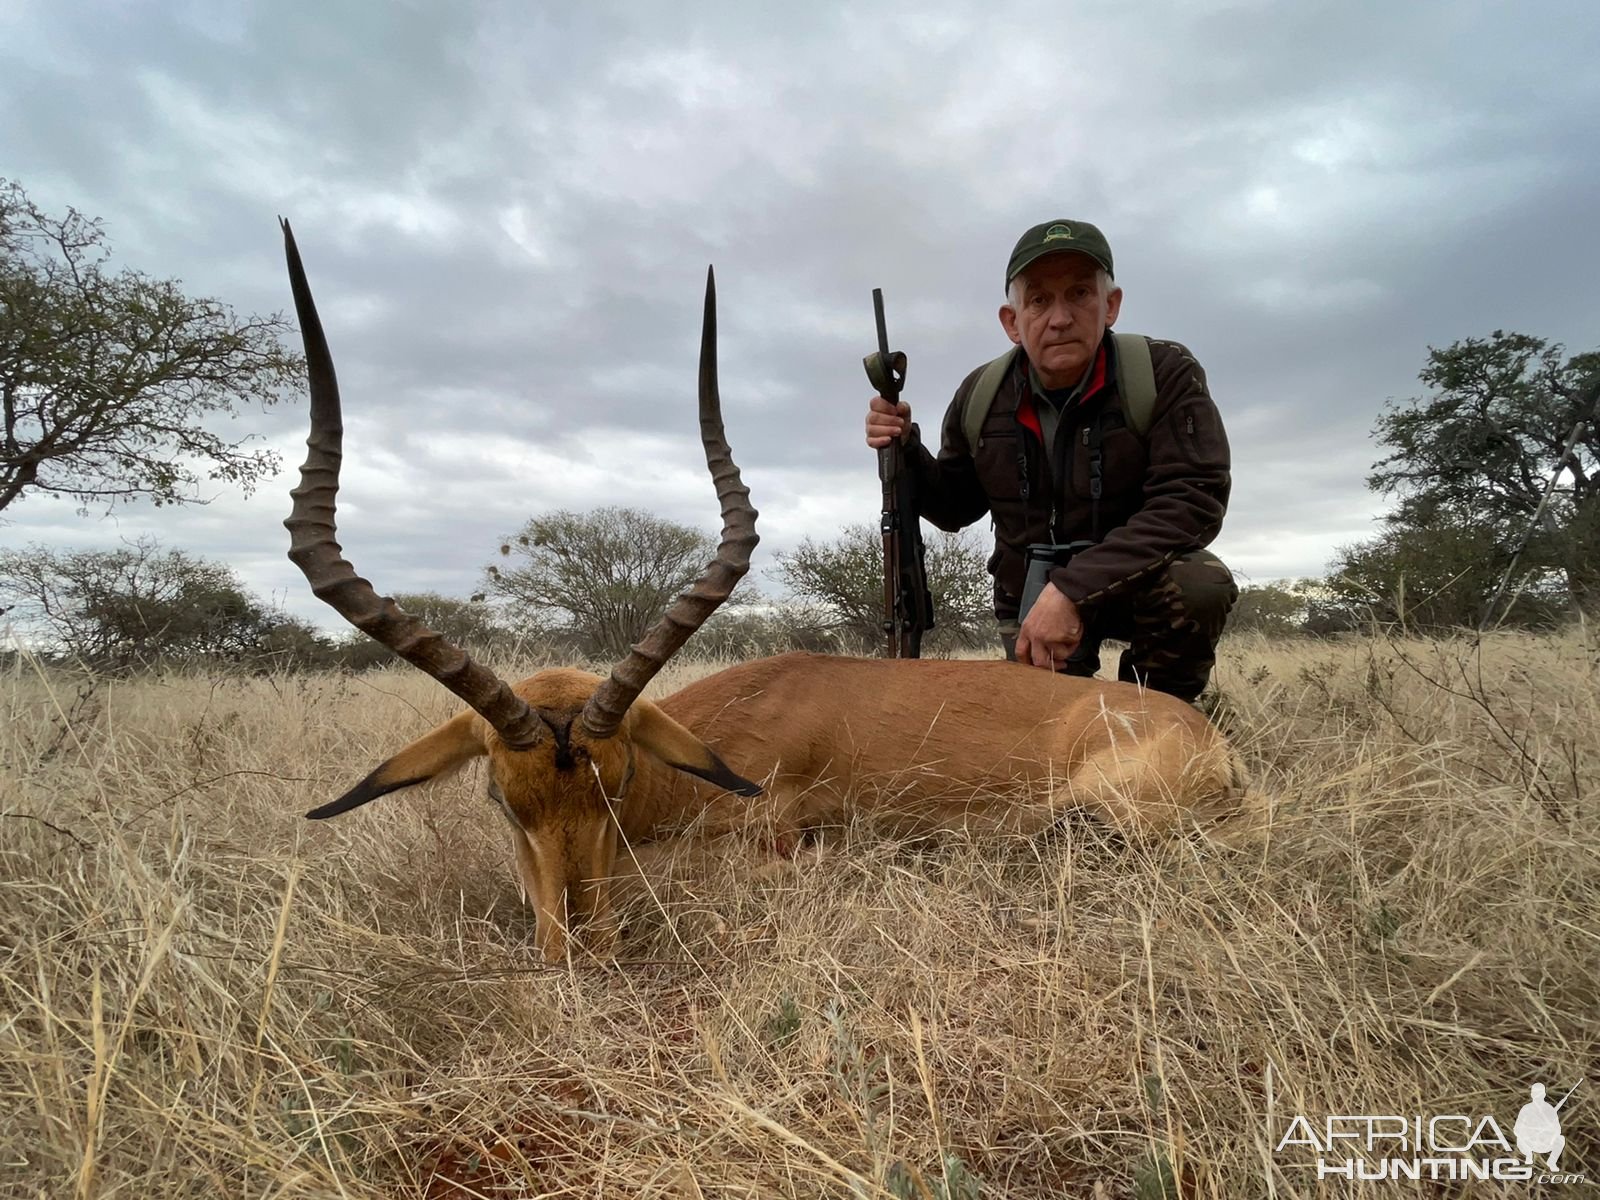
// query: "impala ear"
[[432, 756], [674, 745]]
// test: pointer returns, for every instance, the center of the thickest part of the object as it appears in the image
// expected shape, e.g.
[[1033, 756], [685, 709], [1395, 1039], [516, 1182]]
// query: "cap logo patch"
[[1057, 233]]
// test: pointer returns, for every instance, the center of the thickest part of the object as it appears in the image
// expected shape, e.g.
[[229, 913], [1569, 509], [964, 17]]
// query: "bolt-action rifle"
[[907, 603]]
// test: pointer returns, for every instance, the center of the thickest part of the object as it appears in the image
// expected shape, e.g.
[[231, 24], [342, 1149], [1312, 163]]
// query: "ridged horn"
[[313, 548], [603, 714]]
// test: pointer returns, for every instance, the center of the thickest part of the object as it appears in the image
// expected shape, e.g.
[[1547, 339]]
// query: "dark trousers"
[[1171, 623]]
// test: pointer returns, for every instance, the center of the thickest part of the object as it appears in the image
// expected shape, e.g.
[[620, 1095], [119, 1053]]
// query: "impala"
[[577, 762]]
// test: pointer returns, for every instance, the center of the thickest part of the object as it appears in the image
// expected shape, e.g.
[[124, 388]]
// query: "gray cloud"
[[507, 215]]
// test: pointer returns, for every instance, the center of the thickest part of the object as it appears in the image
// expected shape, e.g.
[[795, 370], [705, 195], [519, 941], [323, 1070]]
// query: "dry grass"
[[203, 995]]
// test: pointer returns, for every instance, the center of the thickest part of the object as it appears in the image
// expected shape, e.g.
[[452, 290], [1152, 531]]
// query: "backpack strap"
[[1136, 384], [981, 398], [1136, 381]]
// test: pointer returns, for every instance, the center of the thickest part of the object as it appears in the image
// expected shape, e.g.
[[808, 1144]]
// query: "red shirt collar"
[[1027, 409]]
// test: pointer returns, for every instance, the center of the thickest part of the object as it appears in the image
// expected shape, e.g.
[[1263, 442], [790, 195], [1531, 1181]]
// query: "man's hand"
[[1051, 632], [886, 421]]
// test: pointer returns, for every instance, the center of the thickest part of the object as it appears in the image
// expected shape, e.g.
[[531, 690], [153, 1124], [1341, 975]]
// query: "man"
[[1061, 456], [1538, 1128]]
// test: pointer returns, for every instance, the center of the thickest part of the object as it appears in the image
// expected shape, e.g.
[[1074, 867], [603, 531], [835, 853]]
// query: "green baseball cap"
[[1055, 237]]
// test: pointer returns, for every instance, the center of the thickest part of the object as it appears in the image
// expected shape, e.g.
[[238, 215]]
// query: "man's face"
[[1062, 316]]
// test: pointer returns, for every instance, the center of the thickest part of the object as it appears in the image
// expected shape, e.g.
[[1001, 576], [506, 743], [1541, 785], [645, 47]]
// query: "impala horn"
[[334, 581], [604, 712]]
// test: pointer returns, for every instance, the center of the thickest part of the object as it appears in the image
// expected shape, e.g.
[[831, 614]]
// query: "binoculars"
[[1042, 558]]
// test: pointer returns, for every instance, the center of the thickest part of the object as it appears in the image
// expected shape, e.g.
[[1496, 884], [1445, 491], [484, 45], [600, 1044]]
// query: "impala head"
[[562, 745]]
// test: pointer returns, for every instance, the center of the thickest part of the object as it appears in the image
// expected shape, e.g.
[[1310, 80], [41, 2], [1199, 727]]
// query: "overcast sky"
[[506, 211]]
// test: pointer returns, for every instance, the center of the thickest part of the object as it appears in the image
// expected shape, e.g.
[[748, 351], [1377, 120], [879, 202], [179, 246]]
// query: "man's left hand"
[[1051, 632]]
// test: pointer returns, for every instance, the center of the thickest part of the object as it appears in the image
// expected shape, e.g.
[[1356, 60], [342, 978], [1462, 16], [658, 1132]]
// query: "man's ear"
[[674, 745], [1008, 322], [432, 756], [1113, 306]]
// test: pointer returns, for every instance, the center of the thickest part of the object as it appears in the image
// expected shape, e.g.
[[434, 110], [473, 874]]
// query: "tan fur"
[[567, 798], [938, 744], [919, 745]]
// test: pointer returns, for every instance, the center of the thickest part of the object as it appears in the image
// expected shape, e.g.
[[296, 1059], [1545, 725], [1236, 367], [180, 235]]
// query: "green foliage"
[[141, 605], [1437, 576], [1382, 923], [596, 580], [959, 1183], [290, 644], [955, 1181], [753, 630], [1154, 1093], [1274, 609], [843, 579], [901, 1183], [1302, 608], [1469, 464], [1154, 1179], [782, 1024], [108, 379], [860, 1077]]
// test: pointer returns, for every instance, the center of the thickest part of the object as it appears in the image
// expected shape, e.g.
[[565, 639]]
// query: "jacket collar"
[[1102, 374]]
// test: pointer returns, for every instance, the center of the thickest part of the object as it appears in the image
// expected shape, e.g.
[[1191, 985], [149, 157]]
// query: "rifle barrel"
[[1568, 1096], [883, 337]]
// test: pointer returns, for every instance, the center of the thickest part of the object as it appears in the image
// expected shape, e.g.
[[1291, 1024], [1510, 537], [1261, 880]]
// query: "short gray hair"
[[1014, 291]]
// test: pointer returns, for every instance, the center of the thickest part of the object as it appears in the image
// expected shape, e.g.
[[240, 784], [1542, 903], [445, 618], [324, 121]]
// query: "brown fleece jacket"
[[1161, 496]]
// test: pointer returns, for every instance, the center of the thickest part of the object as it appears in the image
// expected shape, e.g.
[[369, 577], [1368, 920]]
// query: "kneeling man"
[[1081, 435]]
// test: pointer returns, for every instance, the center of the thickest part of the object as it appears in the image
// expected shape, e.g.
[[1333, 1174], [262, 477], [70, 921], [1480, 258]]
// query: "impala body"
[[926, 744], [918, 745], [577, 762]]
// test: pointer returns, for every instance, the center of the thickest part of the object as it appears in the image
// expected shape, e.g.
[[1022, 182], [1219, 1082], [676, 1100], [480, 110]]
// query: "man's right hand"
[[886, 421]]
